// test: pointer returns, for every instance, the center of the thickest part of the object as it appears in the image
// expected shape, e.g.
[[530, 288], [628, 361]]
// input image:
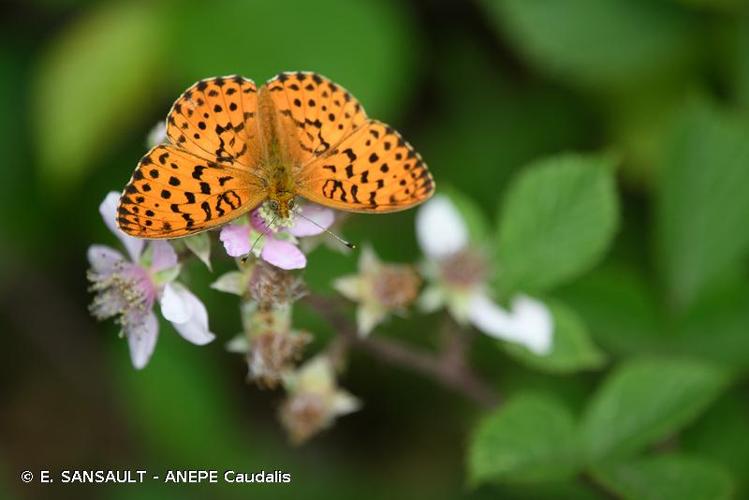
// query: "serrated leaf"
[[556, 222], [644, 401], [599, 42], [530, 438], [95, 81], [703, 203], [669, 477], [572, 348]]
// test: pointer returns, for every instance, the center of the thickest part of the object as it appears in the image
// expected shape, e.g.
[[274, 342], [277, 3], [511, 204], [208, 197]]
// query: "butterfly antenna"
[[257, 240], [331, 233]]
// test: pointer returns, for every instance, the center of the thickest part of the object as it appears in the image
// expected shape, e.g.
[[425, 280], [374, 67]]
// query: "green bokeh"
[[599, 150]]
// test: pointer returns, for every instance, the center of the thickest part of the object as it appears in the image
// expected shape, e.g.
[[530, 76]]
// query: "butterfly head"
[[282, 204]]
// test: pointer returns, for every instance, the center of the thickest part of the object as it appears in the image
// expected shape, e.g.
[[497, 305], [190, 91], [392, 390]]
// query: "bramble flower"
[[128, 289], [279, 242], [458, 271], [314, 400], [379, 288]]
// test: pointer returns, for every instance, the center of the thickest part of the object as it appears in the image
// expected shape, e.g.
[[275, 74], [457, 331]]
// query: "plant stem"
[[448, 367]]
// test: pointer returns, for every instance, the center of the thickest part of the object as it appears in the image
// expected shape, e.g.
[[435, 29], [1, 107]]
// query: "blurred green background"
[[652, 384]]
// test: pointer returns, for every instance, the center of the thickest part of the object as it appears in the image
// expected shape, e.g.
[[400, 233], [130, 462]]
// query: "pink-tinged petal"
[[323, 218], [440, 228], [175, 306], [283, 254], [236, 239], [194, 329], [164, 256], [108, 211], [142, 340], [258, 223], [103, 259]]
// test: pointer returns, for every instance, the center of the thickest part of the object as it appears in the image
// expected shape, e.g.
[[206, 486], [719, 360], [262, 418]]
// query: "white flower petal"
[[103, 259], [440, 229], [536, 323], [195, 328], [529, 323], [349, 286], [108, 211], [142, 340], [490, 318], [175, 303]]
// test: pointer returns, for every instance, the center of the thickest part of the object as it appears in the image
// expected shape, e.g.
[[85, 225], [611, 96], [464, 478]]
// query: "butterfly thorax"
[[280, 156]]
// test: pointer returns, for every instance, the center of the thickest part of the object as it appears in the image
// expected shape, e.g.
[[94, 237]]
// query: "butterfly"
[[233, 147]]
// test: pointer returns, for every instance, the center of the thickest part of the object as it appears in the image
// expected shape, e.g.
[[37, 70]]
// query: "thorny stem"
[[448, 367]]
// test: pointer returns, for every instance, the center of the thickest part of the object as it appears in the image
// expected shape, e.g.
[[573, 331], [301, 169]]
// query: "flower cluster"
[[269, 253], [127, 289]]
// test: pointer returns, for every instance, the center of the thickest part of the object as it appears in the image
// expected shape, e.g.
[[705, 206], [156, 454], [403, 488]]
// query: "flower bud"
[[272, 354], [314, 400], [273, 287]]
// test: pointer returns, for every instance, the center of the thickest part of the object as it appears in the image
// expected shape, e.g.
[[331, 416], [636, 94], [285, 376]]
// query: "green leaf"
[[599, 42], [669, 477], [556, 222], [644, 401], [619, 307], [715, 328], [94, 83], [530, 438], [714, 437], [572, 348], [497, 124], [703, 203], [357, 44]]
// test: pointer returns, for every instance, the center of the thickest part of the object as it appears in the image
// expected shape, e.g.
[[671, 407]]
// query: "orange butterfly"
[[233, 146]]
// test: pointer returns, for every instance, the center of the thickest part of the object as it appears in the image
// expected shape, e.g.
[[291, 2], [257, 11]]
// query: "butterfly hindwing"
[[322, 113], [216, 119], [174, 193], [371, 170]]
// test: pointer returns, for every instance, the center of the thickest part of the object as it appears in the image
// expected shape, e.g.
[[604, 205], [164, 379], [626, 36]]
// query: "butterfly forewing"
[[175, 193], [372, 170], [322, 113], [215, 119]]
